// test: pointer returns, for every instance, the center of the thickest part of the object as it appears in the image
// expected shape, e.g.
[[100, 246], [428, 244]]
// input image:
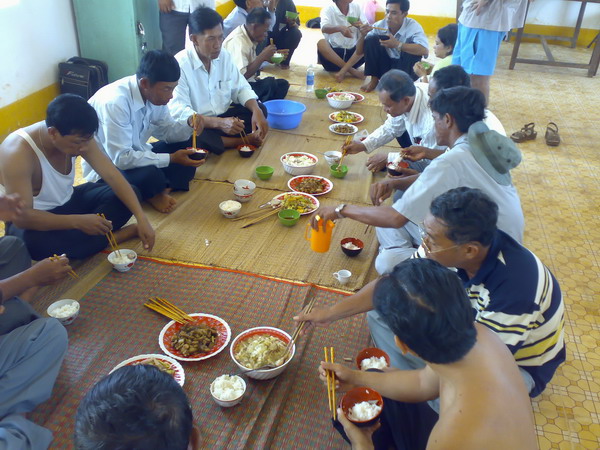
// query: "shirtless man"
[[484, 402], [38, 163]]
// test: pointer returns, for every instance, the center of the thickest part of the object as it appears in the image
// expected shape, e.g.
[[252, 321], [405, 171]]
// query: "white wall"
[[35, 35], [542, 12]]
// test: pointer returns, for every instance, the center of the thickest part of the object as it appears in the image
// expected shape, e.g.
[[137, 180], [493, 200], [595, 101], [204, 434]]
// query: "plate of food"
[[357, 97], [345, 129], [310, 184], [301, 202], [202, 338], [161, 362], [346, 117]]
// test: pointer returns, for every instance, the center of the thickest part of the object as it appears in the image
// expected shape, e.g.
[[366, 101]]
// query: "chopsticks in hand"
[[167, 309], [300, 326], [331, 382], [111, 238], [344, 151], [194, 131], [71, 272]]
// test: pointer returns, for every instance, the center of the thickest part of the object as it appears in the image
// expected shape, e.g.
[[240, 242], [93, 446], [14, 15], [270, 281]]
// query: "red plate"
[[312, 198], [167, 333], [179, 374], [359, 117], [358, 97], [328, 185]]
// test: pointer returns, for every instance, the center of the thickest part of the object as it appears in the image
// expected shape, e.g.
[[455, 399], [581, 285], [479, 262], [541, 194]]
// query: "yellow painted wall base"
[[225, 8]]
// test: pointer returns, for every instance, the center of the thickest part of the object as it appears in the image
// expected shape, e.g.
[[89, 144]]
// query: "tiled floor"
[[560, 192]]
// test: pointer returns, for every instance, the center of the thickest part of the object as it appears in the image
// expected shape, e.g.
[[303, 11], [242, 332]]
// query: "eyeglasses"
[[425, 236]]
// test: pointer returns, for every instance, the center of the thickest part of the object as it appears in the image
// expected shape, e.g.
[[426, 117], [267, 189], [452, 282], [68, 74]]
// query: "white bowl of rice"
[[299, 163], [230, 208], [259, 346], [65, 311], [228, 390], [340, 100]]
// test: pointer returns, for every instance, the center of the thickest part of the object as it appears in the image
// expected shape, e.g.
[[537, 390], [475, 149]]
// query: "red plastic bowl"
[[358, 395], [370, 353]]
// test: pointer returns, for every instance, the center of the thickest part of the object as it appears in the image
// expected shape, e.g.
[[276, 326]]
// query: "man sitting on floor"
[[342, 49], [38, 163], [133, 109], [241, 45], [483, 400], [31, 348], [210, 82], [511, 291], [136, 407], [400, 47], [470, 162]]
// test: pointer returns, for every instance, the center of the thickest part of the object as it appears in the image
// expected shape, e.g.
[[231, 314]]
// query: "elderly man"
[[209, 84], [241, 45]]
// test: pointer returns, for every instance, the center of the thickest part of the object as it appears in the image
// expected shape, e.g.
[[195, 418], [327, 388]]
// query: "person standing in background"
[[173, 21]]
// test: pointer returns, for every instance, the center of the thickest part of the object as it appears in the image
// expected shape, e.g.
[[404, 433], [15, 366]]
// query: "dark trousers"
[[270, 88], [212, 139], [88, 198], [344, 53], [172, 27], [378, 62]]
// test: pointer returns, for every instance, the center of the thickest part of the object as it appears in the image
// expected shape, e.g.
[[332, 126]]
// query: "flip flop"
[[552, 136], [527, 133]]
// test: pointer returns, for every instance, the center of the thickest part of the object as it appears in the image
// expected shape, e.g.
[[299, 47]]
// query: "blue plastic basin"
[[284, 114]]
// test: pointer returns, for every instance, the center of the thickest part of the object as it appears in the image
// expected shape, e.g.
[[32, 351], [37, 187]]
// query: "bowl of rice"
[[228, 390], [122, 259], [299, 163], [372, 358], [230, 208], [340, 100], [351, 246], [259, 346], [66, 311], [362, 406]]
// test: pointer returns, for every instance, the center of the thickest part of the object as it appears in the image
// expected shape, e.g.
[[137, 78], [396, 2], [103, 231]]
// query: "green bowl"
[[291, 15], [338, 173], [352, 20], [321, 93], [277, 59], [288, 217], [264, 172]]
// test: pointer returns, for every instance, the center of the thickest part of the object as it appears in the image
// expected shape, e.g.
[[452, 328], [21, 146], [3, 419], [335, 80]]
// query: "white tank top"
[[57, 188]]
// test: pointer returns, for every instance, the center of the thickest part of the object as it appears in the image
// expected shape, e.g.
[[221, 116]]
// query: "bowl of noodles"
[[259, 346]]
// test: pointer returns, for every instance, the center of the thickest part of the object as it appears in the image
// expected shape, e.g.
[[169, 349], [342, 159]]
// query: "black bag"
[[314, 23], [82, 76]]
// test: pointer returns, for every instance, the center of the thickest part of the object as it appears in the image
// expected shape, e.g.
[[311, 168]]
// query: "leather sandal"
[[527, 133], [552, 136]]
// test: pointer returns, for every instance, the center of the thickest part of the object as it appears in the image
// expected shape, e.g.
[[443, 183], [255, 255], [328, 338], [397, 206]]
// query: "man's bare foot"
[[368, 87], [163, 202], [357, 73], [126, 233]]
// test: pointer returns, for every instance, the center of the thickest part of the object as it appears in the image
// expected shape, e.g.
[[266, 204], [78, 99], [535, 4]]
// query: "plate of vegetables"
[[161, 362], [301, 202], [310, 184], [346, 117]]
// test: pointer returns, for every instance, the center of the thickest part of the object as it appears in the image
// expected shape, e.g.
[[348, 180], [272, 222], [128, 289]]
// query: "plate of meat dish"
[[201, 338], [161, 362], [345, 129], [310, 184], [346, 117], [301, 202]]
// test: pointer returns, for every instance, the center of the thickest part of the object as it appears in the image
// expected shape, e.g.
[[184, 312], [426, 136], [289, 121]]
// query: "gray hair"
[[397, 84]]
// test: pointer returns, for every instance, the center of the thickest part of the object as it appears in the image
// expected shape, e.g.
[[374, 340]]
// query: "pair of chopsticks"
[[379, 28], [243, 135], [111, 238], [167, 309], [71, 272], [261, 217], [253, 213], [194, 132], [300, 326], [331, 383], [346, 142]]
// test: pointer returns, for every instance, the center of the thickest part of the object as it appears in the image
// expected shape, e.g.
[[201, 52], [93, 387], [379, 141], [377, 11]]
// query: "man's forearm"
[[253, 67], [414, 49], [125, 193], [34, 219], [378, 216], [16, 285], [252, 105], [400, 385], [358, 303], [403, 183]]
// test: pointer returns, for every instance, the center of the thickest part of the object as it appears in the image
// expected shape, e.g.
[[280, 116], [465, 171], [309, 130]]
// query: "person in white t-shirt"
[[173, 21]]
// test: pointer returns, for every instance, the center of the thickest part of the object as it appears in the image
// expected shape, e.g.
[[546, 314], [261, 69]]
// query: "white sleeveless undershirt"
[[57, 188]]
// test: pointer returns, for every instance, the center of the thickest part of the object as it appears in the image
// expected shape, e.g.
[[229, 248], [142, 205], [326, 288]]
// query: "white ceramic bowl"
[[228, 403], [242, 198], [123, 266], [233, 213], [268, 373], [299, 170], [60, 303], [244, 187], [333, 157], [339, 104]]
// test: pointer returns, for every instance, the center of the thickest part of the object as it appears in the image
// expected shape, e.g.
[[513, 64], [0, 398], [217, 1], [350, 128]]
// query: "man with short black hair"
[[210, 83], [136, 407], [242, 46], [133, 109]]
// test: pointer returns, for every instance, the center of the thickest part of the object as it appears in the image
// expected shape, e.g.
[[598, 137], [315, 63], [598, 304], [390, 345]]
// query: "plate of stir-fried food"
[[301, 202], [161, 362], [344, 129], [346, 117], [201, 338], [310, 184]]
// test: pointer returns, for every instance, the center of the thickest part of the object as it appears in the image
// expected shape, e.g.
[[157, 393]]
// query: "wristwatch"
[[338, 210]]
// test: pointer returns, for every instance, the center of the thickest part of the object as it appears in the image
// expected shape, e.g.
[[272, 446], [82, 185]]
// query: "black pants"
[[270, 88], [88, 198], [344, 53], [378, 62], [212, 139]]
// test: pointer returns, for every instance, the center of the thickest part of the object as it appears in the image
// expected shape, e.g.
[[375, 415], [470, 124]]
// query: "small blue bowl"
[[284, 114]]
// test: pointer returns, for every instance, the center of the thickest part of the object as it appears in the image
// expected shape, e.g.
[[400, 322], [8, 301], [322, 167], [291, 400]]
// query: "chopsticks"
[[194, 132], [331, 382], [243, 134], [252, 213], [111, 238], [167, 309], [71, 272], [346, 142], [300, 326], [259, 218], [379, 28]]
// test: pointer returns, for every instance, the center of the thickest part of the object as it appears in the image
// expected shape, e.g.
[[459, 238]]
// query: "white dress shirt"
[[332, 16], [188, 6], [411, 32], [207, 93], [237, 17], [242, 49], [497, 15], [126, 124]]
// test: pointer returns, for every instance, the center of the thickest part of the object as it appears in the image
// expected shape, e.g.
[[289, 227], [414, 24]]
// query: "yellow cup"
[[321, 238]]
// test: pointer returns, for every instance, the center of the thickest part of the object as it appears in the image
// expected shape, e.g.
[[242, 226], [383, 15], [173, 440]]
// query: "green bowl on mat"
[[291, 15], [288, 217], [352, 20], [277, 58], [333, 170], [264, 172], [321, 93]]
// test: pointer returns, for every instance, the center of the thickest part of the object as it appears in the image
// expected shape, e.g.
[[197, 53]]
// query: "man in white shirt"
[[400, 47], [133, 109], [467, 163], [173, 21], [241, 45], [209, 84]]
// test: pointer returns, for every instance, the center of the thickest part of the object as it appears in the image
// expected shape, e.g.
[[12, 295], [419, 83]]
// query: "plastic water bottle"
[[310, 79]]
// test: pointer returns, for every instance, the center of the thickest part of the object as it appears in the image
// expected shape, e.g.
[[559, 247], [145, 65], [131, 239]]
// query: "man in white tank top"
[[37, 162]]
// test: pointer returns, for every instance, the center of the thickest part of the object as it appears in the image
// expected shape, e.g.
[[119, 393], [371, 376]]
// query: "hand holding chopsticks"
[[167, 309], [344, 151], [71, 272], [194, 131], [111, 238], [330, 358]]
